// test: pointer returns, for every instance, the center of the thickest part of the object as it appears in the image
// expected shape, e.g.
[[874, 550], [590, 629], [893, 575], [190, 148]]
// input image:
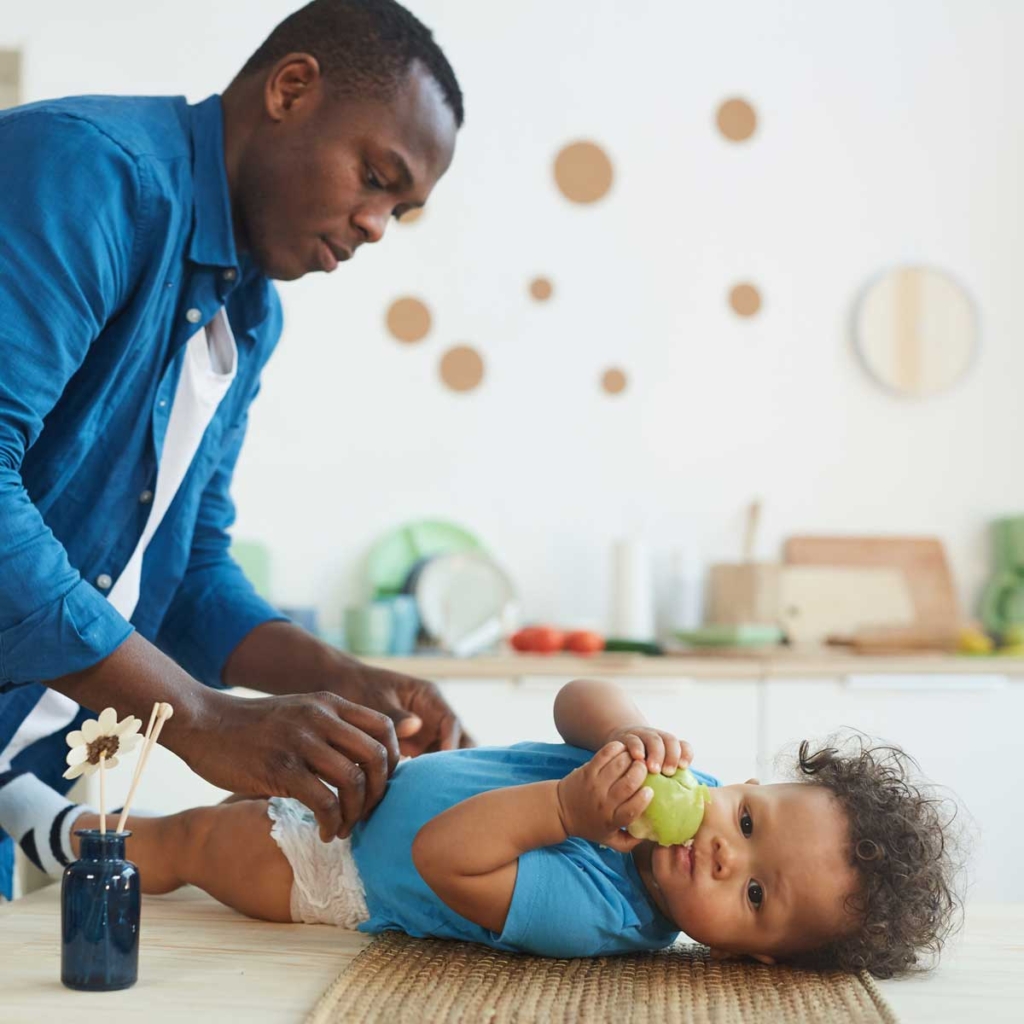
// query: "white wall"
[[890, 132]]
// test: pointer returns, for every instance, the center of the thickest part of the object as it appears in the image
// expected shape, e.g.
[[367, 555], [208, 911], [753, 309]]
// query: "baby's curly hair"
[[906, 853]]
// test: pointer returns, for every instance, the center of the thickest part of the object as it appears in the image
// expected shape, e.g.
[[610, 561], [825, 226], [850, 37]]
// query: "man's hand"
[[662, 752], [603, 796], [423, 720], [281, 658], [292, 746]]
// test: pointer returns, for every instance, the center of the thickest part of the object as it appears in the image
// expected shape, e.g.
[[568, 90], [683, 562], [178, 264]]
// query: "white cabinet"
[[963, 731]]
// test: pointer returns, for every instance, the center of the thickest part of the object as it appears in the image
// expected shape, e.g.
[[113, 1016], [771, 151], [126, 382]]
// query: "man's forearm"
[[491, 830], [134, 677], [281, 658], [589, 711]]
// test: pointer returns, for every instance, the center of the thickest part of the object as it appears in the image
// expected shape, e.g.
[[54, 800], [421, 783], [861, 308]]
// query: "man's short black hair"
[[364, 48]]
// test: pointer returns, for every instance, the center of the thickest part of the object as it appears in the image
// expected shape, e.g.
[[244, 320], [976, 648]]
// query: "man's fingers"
[[466, 741], [365, 751], [308, 789], [348, 779], [449, 733], [373, 723]]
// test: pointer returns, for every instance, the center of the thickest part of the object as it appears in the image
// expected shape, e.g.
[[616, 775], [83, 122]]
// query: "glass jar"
[[100, 907]]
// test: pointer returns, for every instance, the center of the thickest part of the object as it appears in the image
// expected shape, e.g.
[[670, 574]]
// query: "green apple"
[[675, 811]]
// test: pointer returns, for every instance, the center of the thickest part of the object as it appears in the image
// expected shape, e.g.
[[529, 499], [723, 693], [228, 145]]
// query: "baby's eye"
[[372, 180], [746, 824], [755, 894]]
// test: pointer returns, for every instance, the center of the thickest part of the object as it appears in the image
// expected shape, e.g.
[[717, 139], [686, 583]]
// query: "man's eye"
[[755, 894], [746, 824]]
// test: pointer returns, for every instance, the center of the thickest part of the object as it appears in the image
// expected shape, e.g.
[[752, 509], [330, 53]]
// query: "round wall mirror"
[[916, 330]]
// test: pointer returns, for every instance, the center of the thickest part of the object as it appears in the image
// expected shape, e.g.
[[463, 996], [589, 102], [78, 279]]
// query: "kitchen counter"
[[204, 963], [785, 663]]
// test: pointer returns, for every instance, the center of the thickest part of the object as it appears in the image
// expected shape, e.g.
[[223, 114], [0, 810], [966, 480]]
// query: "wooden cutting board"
[[922, 560], [819, 602]]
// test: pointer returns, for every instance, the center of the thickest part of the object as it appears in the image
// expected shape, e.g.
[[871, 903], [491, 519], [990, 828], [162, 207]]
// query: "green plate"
[[393, 557], [731, 636]]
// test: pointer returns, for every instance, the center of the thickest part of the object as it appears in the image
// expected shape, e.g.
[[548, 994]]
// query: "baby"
[[523, 848]]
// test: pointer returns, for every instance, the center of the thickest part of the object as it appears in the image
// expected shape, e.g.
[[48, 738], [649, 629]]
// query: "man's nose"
[[371, 224]]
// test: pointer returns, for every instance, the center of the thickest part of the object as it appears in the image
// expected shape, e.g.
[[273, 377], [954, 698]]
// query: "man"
[[136, 313]]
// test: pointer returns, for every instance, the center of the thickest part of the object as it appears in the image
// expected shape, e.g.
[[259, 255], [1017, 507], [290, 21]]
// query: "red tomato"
[[583, 641], [547, 640], [524, 639]]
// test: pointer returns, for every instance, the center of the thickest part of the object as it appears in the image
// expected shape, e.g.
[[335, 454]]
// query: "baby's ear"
[[752, 782]]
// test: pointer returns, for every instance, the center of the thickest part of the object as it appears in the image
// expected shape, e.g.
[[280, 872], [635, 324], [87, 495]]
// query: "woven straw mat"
[[401, 980]]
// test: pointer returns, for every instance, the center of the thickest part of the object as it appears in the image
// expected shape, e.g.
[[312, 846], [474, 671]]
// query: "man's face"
[[321, 174], [767, 874]]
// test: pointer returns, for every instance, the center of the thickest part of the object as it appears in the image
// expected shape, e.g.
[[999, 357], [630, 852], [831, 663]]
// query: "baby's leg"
[[226, 850]]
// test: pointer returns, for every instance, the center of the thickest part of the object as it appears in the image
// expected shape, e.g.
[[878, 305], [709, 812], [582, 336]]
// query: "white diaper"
[[327, 888]]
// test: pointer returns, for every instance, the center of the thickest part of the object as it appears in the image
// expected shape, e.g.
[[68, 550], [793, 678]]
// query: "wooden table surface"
[[201, 962]]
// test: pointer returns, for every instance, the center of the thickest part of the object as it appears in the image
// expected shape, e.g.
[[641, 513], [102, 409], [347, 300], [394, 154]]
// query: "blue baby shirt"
[[571, 900]]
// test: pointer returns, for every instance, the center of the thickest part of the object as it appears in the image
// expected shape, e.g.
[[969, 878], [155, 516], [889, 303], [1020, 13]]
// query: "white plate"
[[466, 601]]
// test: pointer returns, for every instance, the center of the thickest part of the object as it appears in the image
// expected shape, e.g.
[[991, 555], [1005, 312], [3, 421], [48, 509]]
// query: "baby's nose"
[[723, 859]]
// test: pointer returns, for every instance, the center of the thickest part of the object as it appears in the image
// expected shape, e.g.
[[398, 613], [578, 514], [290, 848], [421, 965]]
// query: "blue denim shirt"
[[116, 246]]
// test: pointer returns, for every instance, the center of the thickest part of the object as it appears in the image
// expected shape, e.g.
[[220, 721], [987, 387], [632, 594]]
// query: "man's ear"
[[752, 782]]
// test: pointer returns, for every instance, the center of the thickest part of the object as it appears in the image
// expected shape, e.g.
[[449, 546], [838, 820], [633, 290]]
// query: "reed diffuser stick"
[[103, 793], [164, 712], [138, 766]]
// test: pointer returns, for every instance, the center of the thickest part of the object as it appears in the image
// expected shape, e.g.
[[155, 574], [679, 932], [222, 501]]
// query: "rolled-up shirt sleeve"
[[72, 203]]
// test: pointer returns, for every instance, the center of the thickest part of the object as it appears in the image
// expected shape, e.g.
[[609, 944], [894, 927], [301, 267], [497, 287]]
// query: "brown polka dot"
[[411, 216], [541, 289], [745, 300], [737, 120], [583, 172], [408, 320], [462, 368], [614, 381]]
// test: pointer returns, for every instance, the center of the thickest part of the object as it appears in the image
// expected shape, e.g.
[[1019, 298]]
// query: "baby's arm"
[[469, 855], [591, 712]]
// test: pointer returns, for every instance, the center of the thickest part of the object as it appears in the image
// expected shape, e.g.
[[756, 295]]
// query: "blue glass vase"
[[100, 908]]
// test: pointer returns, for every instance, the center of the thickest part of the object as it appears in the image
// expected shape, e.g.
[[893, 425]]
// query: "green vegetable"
[[675, 811]]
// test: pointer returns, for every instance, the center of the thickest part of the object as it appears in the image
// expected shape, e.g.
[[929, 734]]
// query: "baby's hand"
[[662, 751], [603, 796]]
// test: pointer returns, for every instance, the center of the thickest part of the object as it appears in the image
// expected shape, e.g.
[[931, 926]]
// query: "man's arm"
[[70, 207], [469, 854]]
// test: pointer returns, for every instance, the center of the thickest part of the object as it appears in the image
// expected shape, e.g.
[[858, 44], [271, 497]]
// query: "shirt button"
[[230, 274], [162, 403], [104, 582], [146, 497], [193, 316]]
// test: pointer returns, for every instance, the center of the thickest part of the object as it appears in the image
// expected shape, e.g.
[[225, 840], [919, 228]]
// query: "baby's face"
[[766, 876]]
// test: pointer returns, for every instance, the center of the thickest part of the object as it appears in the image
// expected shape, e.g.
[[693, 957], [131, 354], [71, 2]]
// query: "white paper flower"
[[105, 735]]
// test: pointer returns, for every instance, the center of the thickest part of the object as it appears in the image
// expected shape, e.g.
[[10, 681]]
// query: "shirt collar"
[[213, 237]]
